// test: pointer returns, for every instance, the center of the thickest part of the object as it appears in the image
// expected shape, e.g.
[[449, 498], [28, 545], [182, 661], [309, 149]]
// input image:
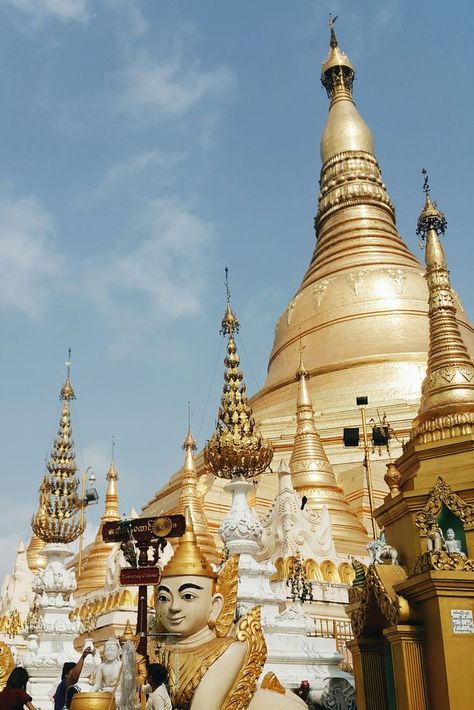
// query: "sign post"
[[141, 540]]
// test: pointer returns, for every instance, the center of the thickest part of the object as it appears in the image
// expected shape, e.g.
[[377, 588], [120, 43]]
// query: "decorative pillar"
[[408, 666], [368, 663]]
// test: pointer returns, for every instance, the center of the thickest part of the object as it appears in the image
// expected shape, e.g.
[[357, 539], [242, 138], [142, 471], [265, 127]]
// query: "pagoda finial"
[[67, 391], [57, 518], [448, 387], [236, 448], [332, 22], [337, 72], [111, 510]]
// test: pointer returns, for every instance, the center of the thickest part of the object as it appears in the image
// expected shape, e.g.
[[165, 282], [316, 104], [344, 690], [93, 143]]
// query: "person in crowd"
[[69, 677], [14, 695], [157, 678]]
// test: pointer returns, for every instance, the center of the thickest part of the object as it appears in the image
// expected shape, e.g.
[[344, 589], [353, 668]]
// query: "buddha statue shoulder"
[[211, 665]]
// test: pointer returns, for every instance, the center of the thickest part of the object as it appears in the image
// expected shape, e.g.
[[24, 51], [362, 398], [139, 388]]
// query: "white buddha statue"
[[208, 668], [108, 672], [451, 544]]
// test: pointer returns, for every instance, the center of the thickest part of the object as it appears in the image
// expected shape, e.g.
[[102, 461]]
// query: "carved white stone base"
[[52, 643]]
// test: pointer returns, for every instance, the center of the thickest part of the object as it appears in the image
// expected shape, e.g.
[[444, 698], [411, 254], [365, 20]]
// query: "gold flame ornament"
[[57, 518], [236, 448]]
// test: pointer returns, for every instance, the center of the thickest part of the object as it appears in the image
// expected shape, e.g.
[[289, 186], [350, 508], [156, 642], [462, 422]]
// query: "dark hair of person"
[[158, 673], [66, 668], [18, 678]]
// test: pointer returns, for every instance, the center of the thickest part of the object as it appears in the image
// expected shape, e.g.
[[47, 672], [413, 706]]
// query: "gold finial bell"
[[67, 391]]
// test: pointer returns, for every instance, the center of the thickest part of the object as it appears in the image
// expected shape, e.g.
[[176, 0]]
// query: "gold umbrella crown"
[[236, 448], [57, 518]]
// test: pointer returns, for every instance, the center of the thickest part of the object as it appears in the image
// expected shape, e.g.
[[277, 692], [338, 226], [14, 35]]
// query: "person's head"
[[157, 675], [67, 668], [187, 604], [450, 534], [18, 678], [111, 649]]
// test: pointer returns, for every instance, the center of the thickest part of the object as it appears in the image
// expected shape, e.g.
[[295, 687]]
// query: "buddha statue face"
[[186, 605], [111, 650], [450, 534]]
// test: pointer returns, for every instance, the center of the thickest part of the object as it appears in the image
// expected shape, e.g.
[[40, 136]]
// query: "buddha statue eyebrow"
[[162, 588], [189, 585]]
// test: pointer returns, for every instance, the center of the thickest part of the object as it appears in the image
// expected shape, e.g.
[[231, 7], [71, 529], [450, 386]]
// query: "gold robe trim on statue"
[[187, 667]]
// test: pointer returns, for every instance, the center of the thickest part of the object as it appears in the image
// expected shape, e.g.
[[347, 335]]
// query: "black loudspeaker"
[[361, 401], [351, 436]]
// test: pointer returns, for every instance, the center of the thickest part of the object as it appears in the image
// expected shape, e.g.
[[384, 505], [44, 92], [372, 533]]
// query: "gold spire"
[[236, 448], [57, 518], [96, 555], [345, 130], [188, 559], [111, 511], [312, 474], [448, 387], [190, 500]]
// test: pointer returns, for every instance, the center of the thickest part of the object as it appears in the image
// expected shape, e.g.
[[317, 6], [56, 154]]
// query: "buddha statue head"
[[111, 650], [189, 598]]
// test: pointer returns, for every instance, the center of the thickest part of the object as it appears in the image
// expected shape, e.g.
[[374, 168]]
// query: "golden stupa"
[[94, 566], [360, 314]]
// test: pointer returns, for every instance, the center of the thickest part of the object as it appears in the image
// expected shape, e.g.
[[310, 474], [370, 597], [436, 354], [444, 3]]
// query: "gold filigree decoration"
[[440, 494], [441, 560], [7, 663], [250, 632], [271, 682], [236, 448], [393, 607], [227, 585]]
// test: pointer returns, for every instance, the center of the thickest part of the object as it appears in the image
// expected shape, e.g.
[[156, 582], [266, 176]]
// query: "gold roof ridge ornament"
[[57, 519], [236, 449], [448, 388], [188, 558]]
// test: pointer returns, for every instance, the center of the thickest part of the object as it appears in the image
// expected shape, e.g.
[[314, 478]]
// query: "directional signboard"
[[144, 528], [131, 576]]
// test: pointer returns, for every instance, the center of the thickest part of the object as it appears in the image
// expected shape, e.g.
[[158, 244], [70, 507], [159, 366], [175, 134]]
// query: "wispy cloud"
[[38, 11], [162, 163], [28, 257], [169, 88], [161, 278]]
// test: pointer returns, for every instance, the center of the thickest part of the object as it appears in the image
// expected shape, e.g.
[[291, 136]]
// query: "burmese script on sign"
[[462, 621]]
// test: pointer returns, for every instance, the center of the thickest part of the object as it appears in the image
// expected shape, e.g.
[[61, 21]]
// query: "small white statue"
[[451, 544], [108, 672], [434, 535], [379, 549]]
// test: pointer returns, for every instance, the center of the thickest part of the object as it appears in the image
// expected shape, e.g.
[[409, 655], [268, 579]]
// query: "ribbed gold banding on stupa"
[[190, 500], [236, 448], [448, 387], [188, 558], [58, 516], [94, 568], [312, 475], [35, 559]]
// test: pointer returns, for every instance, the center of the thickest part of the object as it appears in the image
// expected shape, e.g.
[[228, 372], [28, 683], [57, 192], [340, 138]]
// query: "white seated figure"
[[108, 672], [451, 543]]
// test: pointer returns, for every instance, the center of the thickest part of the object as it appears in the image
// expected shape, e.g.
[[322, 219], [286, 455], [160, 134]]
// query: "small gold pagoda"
[[92, 575], [313, 476], [414, 623]]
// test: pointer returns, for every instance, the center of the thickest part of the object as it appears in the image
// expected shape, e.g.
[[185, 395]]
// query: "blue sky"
[[145, 144]]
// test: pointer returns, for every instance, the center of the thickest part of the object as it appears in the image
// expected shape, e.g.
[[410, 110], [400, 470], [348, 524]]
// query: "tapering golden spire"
[[312, 474], [236, 448], [111, 511], [57, 519], [188, 558], [448, 387], [96, 554], [190, 500]]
